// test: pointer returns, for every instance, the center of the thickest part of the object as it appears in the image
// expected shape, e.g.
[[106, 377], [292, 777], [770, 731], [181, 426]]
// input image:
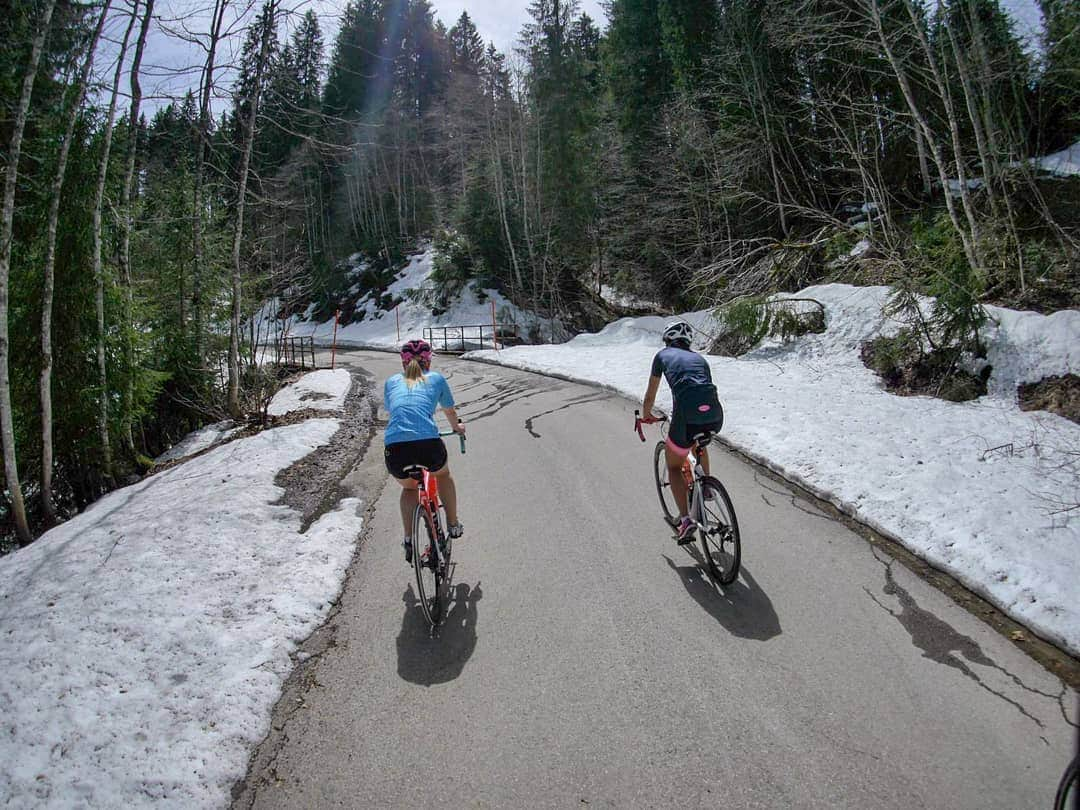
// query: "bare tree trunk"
[[238, 233], [971, 104], [201, 157], [924, 127], [126, 223], [924, 167], [7, 223], [972, 248], [500, 191], [79, 92], [99, 268]]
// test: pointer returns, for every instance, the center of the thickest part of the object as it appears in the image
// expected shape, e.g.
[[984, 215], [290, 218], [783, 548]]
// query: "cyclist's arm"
[[650, 397], [446, 402], [452, 418]]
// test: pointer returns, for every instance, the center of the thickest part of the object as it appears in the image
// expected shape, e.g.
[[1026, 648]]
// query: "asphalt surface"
[[586, 660]]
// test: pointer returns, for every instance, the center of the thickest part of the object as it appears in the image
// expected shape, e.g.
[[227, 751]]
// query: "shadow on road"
[[741, 607], [428, 657]]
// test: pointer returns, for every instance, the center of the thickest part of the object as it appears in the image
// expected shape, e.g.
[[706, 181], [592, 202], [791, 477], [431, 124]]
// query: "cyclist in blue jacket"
[[696, 409], [412, 437]]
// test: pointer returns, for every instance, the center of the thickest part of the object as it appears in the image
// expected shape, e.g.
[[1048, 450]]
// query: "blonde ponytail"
[[414, 373]]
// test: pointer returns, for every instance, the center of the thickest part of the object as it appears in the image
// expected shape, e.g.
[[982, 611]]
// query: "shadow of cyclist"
[[428, 657], [741, 607]]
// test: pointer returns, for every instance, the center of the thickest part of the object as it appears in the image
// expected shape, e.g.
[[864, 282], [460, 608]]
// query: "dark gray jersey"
[[682, 368]]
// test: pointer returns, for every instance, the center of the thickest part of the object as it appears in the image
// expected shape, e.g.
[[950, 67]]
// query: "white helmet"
[[678, 330]]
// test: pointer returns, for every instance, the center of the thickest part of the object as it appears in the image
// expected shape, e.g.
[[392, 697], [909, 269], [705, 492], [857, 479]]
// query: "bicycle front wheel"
[[719, 534], [663, 485], [426, 565]]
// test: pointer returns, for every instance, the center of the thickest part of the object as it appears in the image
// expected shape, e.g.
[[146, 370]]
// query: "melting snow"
[[144, 642]]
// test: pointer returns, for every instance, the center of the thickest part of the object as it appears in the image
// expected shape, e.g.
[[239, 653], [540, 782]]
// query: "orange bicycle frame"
[[428, 492]]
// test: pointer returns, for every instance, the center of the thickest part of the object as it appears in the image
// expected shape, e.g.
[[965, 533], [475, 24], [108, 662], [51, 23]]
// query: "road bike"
[[711, 509], [431, 561]]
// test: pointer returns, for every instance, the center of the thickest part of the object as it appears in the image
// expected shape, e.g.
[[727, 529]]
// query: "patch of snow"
[[323, 390], [144, 645], [971, 487], [199, 440], [1025, 347], [956, 189], [1063, 163], [860, 249]]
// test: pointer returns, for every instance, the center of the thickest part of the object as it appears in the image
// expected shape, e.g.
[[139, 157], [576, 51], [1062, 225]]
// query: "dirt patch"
[[1060, 395], [907, 370], [313, 484]]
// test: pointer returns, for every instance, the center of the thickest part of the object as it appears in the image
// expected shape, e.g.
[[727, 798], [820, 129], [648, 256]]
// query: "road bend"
[[587, 661]]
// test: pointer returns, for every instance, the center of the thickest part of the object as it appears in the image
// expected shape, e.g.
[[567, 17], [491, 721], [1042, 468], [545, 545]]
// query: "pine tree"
[[1060, 83], [357, 62], [466, 46]]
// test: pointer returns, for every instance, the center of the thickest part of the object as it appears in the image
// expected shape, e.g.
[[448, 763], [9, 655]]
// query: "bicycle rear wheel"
[[720, 542], [1068, 792], [426, 565], [663, 485]]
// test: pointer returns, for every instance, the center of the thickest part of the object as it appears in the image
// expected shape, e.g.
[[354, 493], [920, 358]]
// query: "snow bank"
[[144, 642], [974, 488], [1027, 346], [323, 390]]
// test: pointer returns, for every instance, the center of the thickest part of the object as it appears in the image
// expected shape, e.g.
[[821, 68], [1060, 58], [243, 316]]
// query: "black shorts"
[[431, 453], [681, 431]]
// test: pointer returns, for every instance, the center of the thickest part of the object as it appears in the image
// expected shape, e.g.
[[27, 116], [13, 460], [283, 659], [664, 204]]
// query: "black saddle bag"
[[701, 406]]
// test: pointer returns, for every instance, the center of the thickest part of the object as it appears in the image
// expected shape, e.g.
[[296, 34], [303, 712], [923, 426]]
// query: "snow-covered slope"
[[144, 642], [384, 329], [975, 488]]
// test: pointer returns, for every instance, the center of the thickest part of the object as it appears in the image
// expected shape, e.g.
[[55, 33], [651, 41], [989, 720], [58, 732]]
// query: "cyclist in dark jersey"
[[696, 409]]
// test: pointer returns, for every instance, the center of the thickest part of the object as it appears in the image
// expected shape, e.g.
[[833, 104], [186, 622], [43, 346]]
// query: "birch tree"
[[98, 247], [7, 217], [77, 93], [267, 26], [127, 221], [202, 154]]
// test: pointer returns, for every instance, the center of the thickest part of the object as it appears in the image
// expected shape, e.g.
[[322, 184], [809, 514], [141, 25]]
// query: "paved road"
[[586, 661]]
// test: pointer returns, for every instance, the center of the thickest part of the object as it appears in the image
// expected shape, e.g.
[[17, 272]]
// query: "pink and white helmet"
[[419, 350]]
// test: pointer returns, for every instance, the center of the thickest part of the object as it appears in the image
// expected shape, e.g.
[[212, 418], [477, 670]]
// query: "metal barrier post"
[[333, 346]]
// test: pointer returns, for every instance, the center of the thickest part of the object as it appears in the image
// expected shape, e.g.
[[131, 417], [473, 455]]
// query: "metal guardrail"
[[295, 351], [461, 339]]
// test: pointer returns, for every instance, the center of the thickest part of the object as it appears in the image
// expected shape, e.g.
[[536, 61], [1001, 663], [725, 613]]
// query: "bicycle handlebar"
[[455, 433], [638, 422]]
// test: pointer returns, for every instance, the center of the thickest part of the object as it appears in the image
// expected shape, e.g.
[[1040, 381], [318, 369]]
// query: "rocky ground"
[[314, 484]]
